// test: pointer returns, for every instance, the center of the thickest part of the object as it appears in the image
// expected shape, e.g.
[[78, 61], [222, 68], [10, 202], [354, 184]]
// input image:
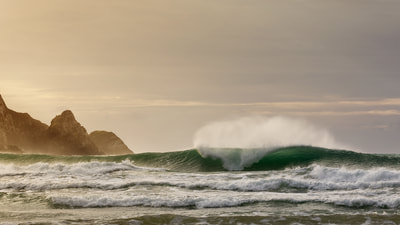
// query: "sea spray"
[[241, 142]]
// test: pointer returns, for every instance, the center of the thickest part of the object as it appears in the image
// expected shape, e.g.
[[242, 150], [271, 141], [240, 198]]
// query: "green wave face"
[[230, 159]]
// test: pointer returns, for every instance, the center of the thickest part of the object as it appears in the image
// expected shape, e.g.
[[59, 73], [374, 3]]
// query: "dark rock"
[[68, 137], [109, 143]]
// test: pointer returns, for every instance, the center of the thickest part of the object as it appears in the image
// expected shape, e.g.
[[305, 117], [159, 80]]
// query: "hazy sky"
[[156, 71]]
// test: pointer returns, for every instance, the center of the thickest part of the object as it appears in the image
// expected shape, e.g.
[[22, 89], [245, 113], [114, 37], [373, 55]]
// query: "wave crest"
[[241, 142]]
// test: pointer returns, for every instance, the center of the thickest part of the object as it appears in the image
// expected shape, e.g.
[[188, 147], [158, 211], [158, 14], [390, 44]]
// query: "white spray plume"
[[256, 136], [261, 132]]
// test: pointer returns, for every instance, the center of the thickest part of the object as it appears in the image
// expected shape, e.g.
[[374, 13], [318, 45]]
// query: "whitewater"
[[233, 175]]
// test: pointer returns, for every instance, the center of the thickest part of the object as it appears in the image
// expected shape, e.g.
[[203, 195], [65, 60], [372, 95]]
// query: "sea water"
[[292, 185]]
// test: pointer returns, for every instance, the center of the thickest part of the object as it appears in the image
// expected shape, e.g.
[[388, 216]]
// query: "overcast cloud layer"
[[156, 71]]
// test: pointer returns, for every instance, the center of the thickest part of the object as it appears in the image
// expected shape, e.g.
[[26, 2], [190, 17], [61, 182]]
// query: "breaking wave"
[[196, 161], [241, 142], [216, 200]]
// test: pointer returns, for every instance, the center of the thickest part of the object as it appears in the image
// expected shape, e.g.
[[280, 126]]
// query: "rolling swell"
[[282, 158], [193, 161], [304, 155]]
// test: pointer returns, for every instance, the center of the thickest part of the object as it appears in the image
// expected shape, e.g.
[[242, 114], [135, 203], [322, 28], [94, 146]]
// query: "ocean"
[[290, 185]]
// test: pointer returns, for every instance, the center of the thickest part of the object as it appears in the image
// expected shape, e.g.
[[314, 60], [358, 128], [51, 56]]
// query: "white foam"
[[99, 184], [87, 168], [47, 176], [112, 176], [217, 199], [342, 178]]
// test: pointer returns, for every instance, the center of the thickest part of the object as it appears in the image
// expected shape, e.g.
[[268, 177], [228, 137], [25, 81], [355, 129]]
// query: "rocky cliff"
[[19, 132]]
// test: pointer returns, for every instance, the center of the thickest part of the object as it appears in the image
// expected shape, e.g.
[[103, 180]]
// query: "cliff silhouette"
[[20, 133]]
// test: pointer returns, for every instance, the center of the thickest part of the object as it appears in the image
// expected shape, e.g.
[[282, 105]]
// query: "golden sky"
[[155, 71]]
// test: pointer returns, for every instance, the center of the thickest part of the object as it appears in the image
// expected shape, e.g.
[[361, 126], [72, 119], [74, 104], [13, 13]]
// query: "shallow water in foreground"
[[296, 185]]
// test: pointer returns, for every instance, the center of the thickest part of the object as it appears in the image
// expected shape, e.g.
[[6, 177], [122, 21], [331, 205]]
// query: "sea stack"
[[109, 142], [68, 137]]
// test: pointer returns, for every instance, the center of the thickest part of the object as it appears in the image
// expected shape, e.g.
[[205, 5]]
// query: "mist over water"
[[241, 142]]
